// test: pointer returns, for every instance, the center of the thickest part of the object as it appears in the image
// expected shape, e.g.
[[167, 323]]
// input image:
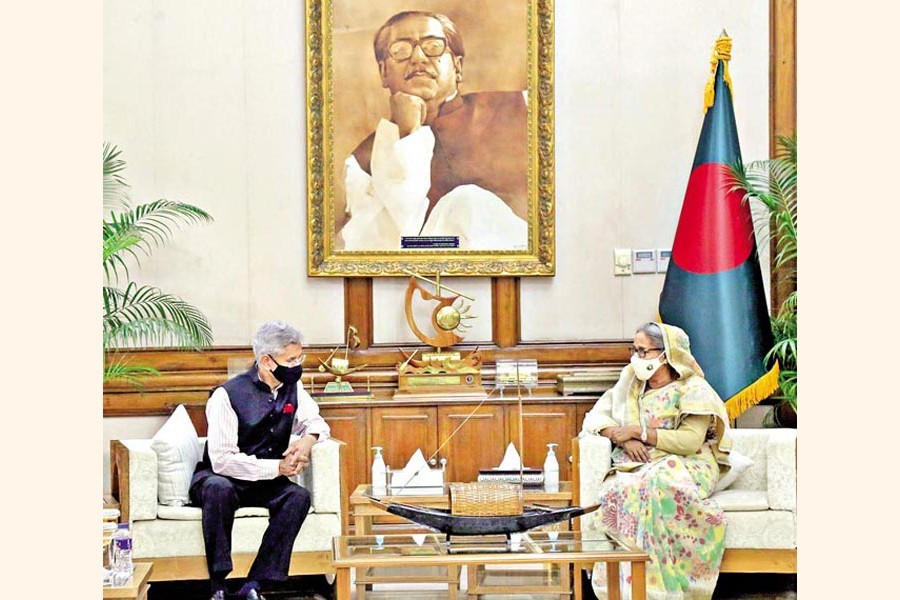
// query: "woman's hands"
[[620, 435], [636, 451]]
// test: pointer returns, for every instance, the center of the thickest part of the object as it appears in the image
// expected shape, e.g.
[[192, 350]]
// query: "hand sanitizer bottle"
[[551, 470], [379, 473]]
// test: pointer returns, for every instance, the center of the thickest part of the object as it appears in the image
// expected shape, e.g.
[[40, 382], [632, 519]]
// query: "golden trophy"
[[340, 368], [440, 372]]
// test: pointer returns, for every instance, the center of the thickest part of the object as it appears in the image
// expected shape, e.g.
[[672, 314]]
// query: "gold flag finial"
[[721, 51]]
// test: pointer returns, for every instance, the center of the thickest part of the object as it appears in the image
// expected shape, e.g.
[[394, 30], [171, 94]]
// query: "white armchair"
[[171, 537], [760, 506]]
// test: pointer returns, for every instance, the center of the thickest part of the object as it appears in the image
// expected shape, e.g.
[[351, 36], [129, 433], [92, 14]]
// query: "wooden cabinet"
[[543, 424], [401, 431], [351, 425], [476, 445]]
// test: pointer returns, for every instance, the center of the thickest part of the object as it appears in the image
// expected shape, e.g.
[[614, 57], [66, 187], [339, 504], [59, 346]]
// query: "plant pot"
[[781, 415]]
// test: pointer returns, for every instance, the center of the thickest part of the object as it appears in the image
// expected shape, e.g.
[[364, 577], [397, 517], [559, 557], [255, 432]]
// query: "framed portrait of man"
[[430, 137]]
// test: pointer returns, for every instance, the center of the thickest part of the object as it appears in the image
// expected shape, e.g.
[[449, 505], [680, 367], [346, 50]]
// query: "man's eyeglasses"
[[642, 352], [290, 362], [431, 47]]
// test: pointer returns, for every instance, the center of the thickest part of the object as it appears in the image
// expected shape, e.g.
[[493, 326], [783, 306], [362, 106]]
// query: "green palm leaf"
[[120, 370], [115, 190], [144, 228], [142, 315], [773, 183]]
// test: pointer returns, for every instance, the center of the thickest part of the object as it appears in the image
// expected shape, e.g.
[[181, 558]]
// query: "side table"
[[135, 588]]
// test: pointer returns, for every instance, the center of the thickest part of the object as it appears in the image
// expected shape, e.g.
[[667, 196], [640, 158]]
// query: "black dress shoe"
[[218, 595], [255, 595]]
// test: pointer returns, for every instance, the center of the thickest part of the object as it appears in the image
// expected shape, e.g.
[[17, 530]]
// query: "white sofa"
[[760, 506], [171, 537]]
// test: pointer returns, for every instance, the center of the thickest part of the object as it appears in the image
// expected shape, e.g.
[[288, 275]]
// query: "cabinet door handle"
[[471, 417], [404, 417], [543, 414], [342, 418]]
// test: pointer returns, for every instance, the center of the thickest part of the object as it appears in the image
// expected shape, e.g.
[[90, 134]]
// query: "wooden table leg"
[[362, 524], [576, 569], [452, 581], [612, 580], [343, 583], [638, 581]]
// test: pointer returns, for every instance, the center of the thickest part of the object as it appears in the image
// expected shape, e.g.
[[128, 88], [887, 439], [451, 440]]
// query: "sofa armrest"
[[135, 476], [594, 461], [781, 469], [325, 476]]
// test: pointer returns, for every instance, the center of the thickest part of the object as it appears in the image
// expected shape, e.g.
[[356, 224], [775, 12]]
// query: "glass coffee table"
[[557, 551]]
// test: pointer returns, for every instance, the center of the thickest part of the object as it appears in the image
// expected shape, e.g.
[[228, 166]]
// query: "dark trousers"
[[221, 496]]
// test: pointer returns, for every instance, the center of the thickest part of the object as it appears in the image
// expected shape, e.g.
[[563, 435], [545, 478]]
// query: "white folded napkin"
[[511, 459]]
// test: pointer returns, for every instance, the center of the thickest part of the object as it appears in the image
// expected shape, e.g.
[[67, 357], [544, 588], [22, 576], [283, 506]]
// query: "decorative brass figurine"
[[340, 367], [440, 372]]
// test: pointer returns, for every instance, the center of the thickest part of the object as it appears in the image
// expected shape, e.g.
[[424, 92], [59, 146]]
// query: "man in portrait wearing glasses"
[[249, 458], [446, 163]]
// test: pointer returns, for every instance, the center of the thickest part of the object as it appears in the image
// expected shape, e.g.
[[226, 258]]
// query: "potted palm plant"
[[133, 314], [773, 183]]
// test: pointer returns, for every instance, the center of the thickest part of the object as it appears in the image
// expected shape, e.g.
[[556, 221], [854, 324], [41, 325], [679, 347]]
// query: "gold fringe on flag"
[[721, 51], [753, 394]]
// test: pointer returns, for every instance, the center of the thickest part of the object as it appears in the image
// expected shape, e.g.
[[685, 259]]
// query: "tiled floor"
[[731, 586]]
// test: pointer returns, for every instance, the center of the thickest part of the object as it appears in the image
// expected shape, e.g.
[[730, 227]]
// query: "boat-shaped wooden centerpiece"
[[484, 508]]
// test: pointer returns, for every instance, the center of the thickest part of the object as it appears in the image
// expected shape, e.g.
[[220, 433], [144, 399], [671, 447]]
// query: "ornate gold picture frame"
[[430, 148]]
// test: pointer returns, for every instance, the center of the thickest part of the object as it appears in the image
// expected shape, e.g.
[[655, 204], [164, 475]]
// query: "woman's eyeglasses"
[[642, 352]]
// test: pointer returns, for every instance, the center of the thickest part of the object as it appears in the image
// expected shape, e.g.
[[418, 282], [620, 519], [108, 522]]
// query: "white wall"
[[629, 108], [207, 101]]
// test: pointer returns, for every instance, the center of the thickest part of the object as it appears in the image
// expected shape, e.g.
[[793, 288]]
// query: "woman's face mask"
[[644, 368]]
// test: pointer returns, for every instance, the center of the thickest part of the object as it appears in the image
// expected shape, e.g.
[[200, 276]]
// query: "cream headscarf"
[[698, 397]]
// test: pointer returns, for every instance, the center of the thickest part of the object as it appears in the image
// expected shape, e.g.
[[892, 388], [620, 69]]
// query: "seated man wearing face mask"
[[249, 458]]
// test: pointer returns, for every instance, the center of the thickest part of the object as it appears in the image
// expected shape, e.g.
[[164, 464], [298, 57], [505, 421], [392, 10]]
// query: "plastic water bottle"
[[122, 565], [379, 473], [551, 470]]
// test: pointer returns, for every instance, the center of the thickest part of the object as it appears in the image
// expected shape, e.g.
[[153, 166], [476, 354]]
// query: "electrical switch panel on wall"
[[644, 261], [622, 262], [663, 256]]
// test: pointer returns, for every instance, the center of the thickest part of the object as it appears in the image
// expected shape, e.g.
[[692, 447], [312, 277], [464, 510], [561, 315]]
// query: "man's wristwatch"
[[644, 433]]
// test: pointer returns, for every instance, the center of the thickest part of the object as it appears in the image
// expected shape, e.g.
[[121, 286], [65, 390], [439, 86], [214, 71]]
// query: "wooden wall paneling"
[[782, 110], [358, 308], [401, 431], [351, 425], [505, 311], [478, 444], [187, 377], [543, 424]]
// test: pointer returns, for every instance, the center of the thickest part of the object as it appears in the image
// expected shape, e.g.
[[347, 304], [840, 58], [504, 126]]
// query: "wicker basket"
[[488, 498]]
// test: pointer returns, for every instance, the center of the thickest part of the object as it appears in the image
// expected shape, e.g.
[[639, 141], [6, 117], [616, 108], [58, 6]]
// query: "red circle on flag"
[[715, 231]]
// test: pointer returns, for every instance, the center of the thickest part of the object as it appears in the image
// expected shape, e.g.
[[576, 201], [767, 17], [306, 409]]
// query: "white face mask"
[[644, 368]]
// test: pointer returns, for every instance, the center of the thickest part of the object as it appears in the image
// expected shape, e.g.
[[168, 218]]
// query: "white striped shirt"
[[222, 436]]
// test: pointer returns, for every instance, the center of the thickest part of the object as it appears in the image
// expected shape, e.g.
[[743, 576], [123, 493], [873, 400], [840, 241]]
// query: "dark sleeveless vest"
[[264, 428]]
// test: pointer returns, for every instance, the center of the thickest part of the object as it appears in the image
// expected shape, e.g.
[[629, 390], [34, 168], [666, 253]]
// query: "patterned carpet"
[[731, 586]]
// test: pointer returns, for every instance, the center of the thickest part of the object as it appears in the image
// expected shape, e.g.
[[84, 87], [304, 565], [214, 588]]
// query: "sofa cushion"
[[739, 500], [739, 463], [178, 451], [193, 513], [760, 529], [161, 538]]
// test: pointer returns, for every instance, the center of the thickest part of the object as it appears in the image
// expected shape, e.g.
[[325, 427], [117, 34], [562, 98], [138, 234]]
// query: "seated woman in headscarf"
[[670, 434]]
